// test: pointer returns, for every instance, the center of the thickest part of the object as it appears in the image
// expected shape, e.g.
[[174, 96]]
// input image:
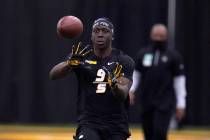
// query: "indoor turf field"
[[40, 132]]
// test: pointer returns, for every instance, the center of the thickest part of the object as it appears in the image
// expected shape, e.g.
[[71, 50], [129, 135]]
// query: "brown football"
[[69, 26]]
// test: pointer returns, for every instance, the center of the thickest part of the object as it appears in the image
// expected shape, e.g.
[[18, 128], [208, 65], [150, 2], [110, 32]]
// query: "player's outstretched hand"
[[78, 54], [113, 74]]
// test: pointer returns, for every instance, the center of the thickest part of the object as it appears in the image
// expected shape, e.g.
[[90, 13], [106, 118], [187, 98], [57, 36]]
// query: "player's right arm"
[[74, 60], [59, 71]]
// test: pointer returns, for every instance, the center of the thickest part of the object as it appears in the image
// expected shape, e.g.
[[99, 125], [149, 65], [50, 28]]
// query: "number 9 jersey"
[[97, 105]]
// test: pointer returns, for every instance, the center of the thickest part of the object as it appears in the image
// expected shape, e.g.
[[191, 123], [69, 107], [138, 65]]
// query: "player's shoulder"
[[116, 51], [122, 55], [125, 59]]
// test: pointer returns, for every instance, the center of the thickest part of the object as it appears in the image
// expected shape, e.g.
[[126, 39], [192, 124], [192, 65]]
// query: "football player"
[[104, 79]]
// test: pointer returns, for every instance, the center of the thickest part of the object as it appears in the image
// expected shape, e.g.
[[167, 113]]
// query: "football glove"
[[113, 75], [78, 54]]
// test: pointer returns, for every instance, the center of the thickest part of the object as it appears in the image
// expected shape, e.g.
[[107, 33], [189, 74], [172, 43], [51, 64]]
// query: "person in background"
[[159, 74]]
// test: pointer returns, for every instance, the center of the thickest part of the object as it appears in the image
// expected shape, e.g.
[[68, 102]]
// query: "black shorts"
[[87, 133]]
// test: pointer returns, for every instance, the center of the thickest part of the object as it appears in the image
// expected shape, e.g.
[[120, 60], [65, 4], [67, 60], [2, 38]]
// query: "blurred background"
[[30, 47]]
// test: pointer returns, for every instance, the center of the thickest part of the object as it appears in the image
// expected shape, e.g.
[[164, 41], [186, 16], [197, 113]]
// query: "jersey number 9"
[[101, 87]]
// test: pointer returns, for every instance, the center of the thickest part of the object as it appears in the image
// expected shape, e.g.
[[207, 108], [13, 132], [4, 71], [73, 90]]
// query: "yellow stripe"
[[91, 62], [77, 48]]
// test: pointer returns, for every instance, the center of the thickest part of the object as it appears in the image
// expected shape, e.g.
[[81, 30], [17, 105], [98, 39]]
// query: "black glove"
[[77, 55], [113, 74]]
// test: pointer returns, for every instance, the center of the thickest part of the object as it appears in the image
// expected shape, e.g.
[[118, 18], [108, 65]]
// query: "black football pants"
[[155, 124]]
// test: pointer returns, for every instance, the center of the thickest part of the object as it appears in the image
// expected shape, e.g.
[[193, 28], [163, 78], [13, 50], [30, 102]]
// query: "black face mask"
[[159, 44]]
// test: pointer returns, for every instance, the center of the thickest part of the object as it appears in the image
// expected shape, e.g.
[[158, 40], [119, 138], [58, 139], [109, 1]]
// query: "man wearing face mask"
[[159, 74]]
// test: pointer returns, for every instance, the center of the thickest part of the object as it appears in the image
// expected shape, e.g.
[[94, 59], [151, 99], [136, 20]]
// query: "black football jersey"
[[98, 106], [158, 68]]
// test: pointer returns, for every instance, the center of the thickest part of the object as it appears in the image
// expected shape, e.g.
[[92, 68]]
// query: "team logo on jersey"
[[92, 62], [147, 60], [81, 137], [110, 63]]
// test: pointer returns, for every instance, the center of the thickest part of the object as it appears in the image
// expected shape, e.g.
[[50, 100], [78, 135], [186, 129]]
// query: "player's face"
[[101, 37]]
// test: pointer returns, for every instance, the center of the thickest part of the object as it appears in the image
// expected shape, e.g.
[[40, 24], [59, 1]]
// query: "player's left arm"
[[122, 88], [124, 82]]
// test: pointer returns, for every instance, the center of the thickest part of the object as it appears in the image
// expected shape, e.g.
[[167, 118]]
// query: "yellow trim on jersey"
[[91, 62]]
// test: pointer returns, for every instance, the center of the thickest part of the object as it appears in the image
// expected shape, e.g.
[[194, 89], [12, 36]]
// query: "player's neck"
[[103, 53]]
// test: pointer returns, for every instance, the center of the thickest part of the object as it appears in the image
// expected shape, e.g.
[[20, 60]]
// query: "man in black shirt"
[[160, 71], [105, 77]]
